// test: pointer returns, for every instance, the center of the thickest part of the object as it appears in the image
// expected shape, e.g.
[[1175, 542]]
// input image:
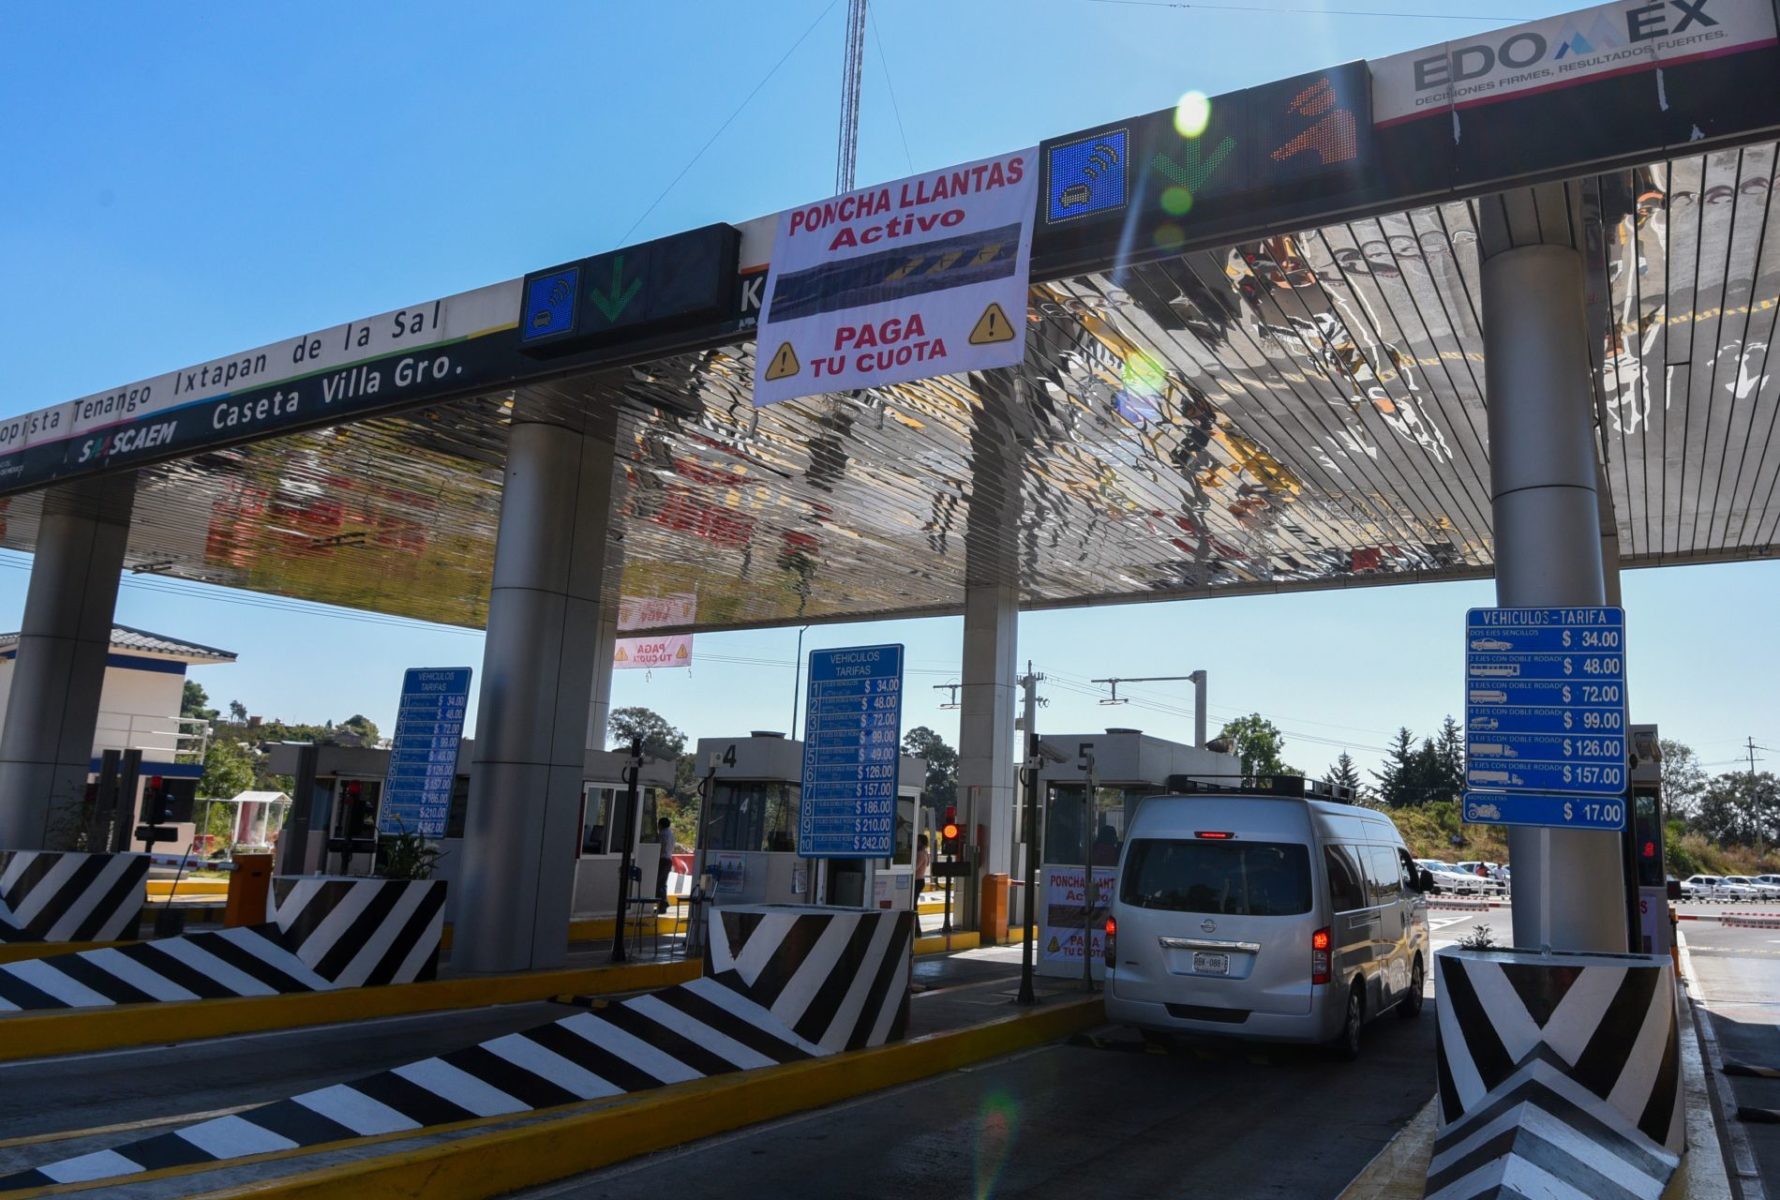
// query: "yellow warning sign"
[[785, 364], [622, 656], [992, 326], [681, 653]]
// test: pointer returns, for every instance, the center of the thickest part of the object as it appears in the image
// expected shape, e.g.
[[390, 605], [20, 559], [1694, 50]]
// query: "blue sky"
[[183, 183]]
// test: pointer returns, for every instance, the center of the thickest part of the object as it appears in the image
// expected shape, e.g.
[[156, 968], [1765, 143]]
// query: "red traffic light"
[[949, 830]]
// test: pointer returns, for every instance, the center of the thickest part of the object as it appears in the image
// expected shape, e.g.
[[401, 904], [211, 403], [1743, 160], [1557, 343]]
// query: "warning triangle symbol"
[[622, 656], [992, 326], [784, 364], [681, 653]]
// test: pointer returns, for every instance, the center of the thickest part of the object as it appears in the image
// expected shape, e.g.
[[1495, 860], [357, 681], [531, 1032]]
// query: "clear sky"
[[181, 183]]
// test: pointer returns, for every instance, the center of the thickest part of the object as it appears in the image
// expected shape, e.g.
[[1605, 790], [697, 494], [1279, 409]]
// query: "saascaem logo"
[[1522, 49]]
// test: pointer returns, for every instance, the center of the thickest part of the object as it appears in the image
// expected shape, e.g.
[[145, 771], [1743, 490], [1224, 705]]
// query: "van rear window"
[[1254, 879]]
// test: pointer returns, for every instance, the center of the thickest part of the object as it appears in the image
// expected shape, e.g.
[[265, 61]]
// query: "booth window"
[[596, 813], [1070, 839], [753, 815]]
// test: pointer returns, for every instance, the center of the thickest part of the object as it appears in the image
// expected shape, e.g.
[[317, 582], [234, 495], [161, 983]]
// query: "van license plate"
[[1210, 964]]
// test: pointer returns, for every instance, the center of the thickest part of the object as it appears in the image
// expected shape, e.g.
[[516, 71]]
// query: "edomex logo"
[[1526, 48]]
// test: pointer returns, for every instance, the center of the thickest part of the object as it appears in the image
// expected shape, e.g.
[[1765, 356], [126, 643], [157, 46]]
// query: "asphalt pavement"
[[1737, 986]]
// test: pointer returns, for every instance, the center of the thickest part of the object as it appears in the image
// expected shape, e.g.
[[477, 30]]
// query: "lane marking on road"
[[38, 1139]]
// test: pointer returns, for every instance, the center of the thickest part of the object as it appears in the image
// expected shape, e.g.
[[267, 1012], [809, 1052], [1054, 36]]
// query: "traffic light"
[[154, 800], [948, 833]]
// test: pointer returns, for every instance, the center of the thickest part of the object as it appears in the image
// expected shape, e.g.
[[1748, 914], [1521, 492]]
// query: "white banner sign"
[[1060, 934], [926, 276], [328, 353], [654, 612], [1610, 39]]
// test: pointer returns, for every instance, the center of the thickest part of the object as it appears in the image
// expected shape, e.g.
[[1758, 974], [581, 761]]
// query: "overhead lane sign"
[[925, 276], [1545, 717]]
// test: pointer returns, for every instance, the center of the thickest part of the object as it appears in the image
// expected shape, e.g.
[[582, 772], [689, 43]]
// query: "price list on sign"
[[1545, 717], [423, 753], [851, 753]]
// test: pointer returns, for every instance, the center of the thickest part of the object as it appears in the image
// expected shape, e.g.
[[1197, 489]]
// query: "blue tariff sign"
[[423, 753], [1545, 717], [851, 753]]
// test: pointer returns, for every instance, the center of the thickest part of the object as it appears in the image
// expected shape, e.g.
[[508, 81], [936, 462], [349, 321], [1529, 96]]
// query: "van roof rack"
[[1294, 786]]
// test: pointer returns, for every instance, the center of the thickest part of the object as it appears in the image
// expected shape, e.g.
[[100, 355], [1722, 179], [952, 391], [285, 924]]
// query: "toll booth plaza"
[[1497, 308]]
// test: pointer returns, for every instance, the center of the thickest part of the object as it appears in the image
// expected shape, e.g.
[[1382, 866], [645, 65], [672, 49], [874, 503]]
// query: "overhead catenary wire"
[[729, 120], [890, 89]]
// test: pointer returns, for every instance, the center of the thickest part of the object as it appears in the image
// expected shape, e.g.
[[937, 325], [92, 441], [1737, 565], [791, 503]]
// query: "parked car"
[[1448, 879], [1268, 917], [1715, 887], [1755, 889], [1491, 873], [1772, 881]]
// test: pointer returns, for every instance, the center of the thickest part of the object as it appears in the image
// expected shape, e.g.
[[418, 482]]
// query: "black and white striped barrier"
[[358, 932], [768, 977], [323, 937], [839, 977], [63, 896], [1750, 920], [1556, 1071]]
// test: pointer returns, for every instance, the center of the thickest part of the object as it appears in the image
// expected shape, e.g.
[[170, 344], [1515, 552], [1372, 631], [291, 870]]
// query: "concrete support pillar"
[[537, 675], [987, 704], [1568, 884], [599, 707], [987, 701], [47, 743]]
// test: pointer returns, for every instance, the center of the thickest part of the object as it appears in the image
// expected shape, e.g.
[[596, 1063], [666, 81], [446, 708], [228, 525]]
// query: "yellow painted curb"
[[159, 889], [593, 929], [40, 1035], [20, 951], [493, 1164], [939, 943]]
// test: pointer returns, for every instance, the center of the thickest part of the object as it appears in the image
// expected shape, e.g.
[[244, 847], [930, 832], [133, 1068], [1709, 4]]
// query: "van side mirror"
[[1424, 882]]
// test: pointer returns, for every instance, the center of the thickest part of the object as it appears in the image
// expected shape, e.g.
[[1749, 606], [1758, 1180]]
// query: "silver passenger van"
[[1269, 917]]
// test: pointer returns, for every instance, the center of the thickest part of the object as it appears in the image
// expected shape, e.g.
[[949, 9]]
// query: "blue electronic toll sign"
[[852, 753], [1088, 175], [1545, 717], [423, 753]]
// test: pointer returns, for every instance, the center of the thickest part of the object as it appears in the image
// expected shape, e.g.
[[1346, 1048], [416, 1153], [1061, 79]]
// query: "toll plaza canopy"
[[1254, 362]]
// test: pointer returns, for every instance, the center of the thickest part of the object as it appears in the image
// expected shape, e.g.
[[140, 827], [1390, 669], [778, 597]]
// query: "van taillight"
[[1216, 835], [1110, 947], [1319, 956]]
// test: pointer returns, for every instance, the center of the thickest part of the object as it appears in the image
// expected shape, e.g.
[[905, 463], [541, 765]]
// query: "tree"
[[1258, 742], [1343, 773], [193, 702], [1398, 776], [660, 740], [359, 726], [1683, 777], [1448, 774], [237, 712], [228, 770], [941, 783], [1740, 807]]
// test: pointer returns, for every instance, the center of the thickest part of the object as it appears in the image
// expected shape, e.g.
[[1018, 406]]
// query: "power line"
[[878, 41], [728, 121]]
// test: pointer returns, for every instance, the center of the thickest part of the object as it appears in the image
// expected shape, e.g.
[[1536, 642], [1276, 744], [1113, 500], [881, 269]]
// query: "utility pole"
[[1754, 792], [1029, 774], [847, 145]]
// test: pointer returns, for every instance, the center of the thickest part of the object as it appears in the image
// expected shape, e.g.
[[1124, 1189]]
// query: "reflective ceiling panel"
[[1301, 412]]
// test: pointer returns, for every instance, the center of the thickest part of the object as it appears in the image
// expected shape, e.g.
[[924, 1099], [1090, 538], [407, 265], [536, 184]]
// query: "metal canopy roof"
[[1299, 411]]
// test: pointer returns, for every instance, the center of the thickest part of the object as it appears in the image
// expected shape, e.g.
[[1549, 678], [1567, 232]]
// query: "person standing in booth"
[[665, 864]]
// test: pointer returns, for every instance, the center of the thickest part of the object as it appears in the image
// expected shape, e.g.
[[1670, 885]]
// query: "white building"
[[140, 701]]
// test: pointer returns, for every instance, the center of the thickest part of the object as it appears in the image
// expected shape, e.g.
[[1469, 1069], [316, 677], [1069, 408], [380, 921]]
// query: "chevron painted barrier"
[[327, 935], [1555, 1070], [772, 973], [57, 896], [356, 932]]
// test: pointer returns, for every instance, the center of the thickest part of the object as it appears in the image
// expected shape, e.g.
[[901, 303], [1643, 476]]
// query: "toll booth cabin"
[[345, 790], [748, 830], [1089, 799]]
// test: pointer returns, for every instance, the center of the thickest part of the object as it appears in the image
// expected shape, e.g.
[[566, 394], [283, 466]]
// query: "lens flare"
[[1144, 376], [996, 1125], [1177, 201], [1192, 114], [1168, 236]]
